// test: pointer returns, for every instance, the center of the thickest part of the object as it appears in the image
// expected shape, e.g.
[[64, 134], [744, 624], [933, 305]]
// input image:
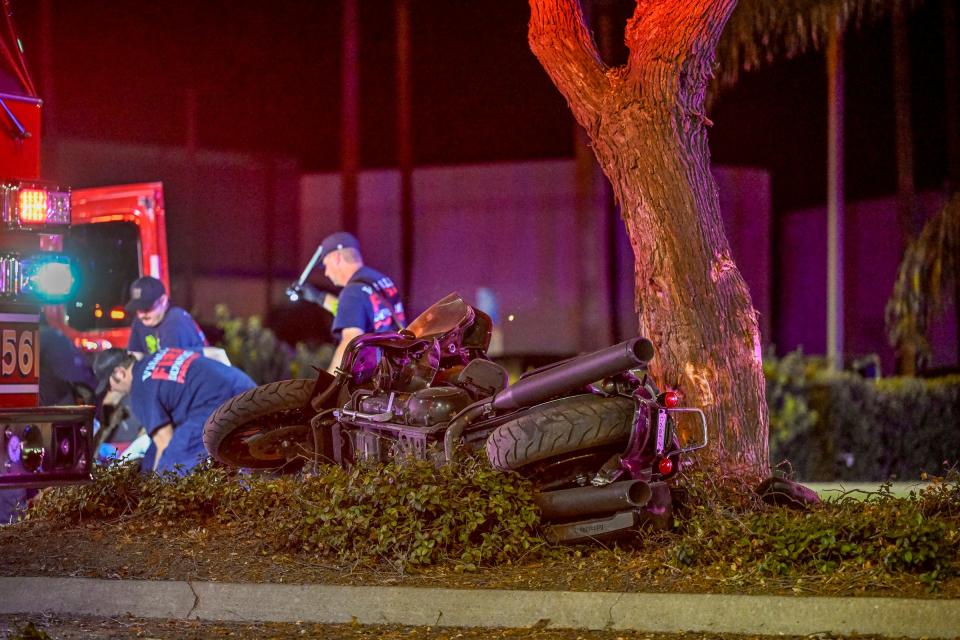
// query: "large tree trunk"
[[648, 128], [907, 352]]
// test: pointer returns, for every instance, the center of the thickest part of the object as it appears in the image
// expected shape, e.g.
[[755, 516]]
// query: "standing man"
[[369, 302], [172, 393], [158, 325]]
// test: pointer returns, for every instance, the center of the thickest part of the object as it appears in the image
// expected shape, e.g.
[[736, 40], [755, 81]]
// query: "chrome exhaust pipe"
[[574, 373], [585, 501]]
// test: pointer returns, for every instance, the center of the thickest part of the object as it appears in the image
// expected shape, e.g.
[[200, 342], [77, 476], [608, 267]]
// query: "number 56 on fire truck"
[[39, 446]]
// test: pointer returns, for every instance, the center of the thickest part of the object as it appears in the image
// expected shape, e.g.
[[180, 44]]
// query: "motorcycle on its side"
[[594, 433]]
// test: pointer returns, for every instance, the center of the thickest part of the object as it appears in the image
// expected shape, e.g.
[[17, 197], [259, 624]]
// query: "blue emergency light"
[[51, 278]]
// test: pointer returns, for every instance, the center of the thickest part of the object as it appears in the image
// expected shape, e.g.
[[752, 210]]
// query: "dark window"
[[108, 257]]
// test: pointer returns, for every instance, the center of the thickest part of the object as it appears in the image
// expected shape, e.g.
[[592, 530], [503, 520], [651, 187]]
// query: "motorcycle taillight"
[[669, 399], [665, 466]]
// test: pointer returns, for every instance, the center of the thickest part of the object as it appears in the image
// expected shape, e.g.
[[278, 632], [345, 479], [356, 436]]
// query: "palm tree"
[[928, 275], [761, 32]]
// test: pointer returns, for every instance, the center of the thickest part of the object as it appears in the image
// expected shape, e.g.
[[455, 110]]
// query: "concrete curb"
[[647, 612]]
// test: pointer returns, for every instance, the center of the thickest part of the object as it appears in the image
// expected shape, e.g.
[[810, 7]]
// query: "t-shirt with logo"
[[369, 302], [181, 388], [177, 329]]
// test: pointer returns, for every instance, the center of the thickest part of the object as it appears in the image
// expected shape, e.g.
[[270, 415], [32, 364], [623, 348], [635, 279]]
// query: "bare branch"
[[562, 43], [658, 30]]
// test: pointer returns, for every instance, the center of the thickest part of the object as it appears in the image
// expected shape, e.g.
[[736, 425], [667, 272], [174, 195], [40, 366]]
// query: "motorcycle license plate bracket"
[[701, 422], [636, 459]]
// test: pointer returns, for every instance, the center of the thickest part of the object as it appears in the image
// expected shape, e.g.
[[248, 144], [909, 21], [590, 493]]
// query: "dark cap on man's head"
[[337, 241], [144, 293], [103, 365]]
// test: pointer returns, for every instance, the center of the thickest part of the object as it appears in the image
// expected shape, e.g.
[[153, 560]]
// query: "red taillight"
[[669, 399], [665, 466], [32, 206]]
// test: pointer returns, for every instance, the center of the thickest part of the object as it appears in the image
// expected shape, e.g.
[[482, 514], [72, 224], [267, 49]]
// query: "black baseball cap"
[[144, 293], [103, 365], [337, 241]]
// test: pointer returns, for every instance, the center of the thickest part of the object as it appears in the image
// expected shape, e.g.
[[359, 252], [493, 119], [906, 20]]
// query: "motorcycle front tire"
[[279, 411], [561, 428]]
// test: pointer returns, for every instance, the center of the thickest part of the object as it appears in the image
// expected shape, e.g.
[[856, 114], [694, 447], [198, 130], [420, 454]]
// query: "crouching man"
[[172, 393]]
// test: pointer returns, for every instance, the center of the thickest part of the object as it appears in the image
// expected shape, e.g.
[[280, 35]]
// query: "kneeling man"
[[172, 393]]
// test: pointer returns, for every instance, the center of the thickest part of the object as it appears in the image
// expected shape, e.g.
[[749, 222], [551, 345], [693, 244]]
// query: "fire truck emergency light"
[[33, 205], [51, 279]]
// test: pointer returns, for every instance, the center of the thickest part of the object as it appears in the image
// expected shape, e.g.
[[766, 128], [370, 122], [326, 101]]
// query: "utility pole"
[[350, 116], [405, 145]]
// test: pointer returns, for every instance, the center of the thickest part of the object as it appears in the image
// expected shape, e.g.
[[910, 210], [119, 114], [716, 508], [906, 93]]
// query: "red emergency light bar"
[[34, 205]]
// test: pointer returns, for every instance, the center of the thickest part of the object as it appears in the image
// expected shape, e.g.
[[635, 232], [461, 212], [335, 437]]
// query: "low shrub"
[[891, 428], [791, 417], [882, 534], [406, 513], [410, 513], [120, 490], [840, 426]]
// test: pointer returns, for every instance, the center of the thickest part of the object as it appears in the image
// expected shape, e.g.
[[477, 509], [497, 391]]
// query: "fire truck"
[[69, 257]]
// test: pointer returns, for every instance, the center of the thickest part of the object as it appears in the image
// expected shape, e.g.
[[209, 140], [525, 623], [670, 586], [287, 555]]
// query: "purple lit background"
[[493, 149]]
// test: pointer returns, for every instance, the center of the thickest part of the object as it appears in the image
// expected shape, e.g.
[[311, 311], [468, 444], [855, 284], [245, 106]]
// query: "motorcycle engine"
[[405, 422], [423, 408]]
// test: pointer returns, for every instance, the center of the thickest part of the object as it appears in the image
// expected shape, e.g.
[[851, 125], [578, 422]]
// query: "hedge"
[[840, 426]]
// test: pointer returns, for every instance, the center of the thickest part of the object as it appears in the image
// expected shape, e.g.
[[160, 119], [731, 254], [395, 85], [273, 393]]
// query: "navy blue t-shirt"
[[366, 302], [182, 388], [177, 329]]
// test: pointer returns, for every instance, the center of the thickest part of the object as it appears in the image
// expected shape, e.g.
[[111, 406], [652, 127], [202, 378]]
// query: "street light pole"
[[835, 197]]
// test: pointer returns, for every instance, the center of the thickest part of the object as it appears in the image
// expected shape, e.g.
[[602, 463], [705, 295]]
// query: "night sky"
[[267, 77]]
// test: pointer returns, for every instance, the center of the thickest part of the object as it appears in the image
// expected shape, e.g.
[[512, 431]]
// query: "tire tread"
[[563, 426], [253, 404]]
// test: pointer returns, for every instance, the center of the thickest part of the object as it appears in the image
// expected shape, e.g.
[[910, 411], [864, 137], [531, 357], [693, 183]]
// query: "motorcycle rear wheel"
[[565, 428], [264, 428]]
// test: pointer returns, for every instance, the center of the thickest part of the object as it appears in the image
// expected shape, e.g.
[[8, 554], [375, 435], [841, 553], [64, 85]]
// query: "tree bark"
[[647, 123], [907, 213]]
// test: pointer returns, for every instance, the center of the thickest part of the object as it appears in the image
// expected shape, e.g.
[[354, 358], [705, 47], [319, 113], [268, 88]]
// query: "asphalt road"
[[97, 628]]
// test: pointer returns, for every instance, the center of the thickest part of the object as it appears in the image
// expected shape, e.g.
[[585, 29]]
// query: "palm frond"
[[926, 279], [762, 31]]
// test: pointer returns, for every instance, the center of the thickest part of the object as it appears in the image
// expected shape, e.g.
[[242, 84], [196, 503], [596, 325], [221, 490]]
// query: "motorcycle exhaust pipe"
[[574, 373], [586, 501]]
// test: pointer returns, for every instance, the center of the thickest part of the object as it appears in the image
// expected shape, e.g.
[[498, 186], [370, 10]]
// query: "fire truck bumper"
[[45, 446]]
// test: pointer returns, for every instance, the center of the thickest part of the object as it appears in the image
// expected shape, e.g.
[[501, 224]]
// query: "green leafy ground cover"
[[468, 526]]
